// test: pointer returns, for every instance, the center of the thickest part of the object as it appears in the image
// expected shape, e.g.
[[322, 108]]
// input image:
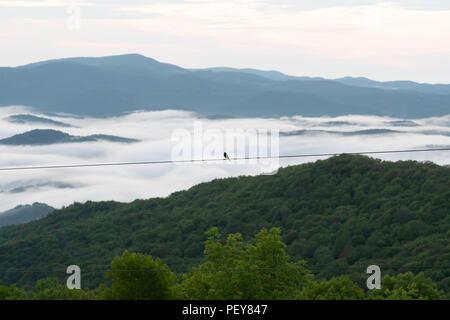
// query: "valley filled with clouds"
[[154, 133]]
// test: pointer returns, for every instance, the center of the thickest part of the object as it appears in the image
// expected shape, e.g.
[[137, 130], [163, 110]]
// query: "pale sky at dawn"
[[382, 40]]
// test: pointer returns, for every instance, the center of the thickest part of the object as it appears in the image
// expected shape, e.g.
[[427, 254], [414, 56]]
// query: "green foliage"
[[235, 270], [340, 215], [406, 286], [51, 289], [12, 293], [139, 277], [341, 288], [258, 270]]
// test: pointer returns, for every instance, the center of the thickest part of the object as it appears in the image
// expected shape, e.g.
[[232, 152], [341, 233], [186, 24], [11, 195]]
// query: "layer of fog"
[[61, 187]]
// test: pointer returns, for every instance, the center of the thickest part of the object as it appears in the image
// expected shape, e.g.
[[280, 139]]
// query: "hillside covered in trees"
[[339, 215], [233, 270]]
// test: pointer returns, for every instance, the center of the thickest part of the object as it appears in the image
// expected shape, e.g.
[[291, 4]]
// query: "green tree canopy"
[[235, 270], [406, 286], [12, 293], [341, 288], [139, 277], [51, 289]]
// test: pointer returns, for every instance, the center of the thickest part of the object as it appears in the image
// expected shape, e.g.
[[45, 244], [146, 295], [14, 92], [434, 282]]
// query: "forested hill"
[[340, 214]]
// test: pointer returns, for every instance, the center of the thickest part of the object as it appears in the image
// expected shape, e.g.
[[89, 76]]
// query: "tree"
[[139, 277], [406, 286], [341, 288], [51, 289], [237, 271], [12, 293]]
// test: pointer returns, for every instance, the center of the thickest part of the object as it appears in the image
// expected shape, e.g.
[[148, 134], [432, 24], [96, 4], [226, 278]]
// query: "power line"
[[303, 268], [214, 160]]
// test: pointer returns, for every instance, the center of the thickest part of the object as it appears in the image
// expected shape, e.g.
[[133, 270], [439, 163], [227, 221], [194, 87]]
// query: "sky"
[[381, 40], [159, 133]]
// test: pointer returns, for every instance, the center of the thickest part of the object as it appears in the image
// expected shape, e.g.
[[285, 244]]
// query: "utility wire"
[[221, 159], [306, 268]]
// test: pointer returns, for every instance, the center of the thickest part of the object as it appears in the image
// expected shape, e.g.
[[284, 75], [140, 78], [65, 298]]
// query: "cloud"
[[155, 129], [384, 32], [42, 3]]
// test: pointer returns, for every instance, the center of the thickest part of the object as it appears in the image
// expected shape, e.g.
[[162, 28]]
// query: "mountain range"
[[112, 85], [351, 81]]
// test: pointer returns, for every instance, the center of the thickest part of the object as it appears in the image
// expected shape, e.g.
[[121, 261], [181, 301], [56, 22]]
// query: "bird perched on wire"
[[225, 156]]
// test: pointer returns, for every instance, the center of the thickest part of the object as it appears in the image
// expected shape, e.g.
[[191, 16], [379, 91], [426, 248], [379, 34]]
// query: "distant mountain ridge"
[[48, 136], [397, 85], [351, 81], [36, 185], [32, 119], [107, 86], [25, 213]]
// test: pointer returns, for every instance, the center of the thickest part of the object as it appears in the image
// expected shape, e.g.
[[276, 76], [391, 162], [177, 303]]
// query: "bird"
[[225, 155]]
